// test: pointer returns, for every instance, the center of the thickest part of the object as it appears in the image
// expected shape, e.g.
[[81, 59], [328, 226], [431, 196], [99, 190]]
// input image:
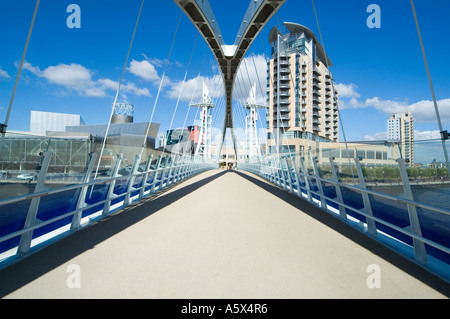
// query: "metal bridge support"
[[323, 202], [25, 239], [81, 202], [137, 161], [145, 176], [305, 177], [419, 246], [229, 56], [110, 194], [296, 179], [155, 174], [371, 226], [288, 177], [342, 211]]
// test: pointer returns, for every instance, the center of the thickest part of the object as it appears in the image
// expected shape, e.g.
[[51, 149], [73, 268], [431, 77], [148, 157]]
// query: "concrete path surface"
[[221, 234]]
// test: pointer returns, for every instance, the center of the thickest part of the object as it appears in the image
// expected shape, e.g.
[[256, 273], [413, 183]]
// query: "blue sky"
[[378, 71]]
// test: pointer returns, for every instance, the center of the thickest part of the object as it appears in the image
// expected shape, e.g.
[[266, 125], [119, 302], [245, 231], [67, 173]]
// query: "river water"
[[435, 226]]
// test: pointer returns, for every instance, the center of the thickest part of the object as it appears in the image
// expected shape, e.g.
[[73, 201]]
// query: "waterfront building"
[[400, 129], [41, 122], [301, 94]]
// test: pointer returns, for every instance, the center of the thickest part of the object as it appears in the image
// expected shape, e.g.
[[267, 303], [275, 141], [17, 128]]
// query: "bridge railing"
[[385, 210], [52, 211]]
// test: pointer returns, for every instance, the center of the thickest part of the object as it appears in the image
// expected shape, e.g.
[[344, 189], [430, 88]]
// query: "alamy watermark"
[[74, 19], [374, 279], [374, 19], [74, 279]]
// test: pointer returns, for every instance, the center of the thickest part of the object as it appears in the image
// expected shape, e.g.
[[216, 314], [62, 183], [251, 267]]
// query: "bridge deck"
[[221, 234]]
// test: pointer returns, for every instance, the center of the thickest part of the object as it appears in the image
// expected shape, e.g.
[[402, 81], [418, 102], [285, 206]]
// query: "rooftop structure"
[[40, 122]]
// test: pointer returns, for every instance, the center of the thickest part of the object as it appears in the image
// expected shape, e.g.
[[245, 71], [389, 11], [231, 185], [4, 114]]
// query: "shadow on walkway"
[[60, 252], [351, 233], [39, 263]]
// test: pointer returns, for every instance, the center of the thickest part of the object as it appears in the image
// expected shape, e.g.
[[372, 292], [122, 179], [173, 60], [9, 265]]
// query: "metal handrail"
[[170, 174], [275, 177], [72, 187]]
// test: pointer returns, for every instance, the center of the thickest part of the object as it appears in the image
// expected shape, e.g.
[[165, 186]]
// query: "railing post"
[[25, 239], [180, 166], [81, 202], [186, 164], [419, 246], [172, 170], [323, 202], [282, 174], [278, 177], [155, 174], [182, 169], [305, 177], [371, 226], [296, 180], [188, 167], [110, 193], [167, 167], [145, 176], [137, 161], [342, 211], [288, 179]]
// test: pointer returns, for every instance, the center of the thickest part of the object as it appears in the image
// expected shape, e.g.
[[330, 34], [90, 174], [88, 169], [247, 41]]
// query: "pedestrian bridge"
[[103, 219], [219, 234]]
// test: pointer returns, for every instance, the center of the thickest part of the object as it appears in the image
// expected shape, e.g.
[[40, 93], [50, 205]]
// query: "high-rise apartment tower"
[[302, 96], [400, 129]]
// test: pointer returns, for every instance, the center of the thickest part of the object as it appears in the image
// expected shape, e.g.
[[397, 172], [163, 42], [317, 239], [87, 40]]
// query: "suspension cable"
[[193, 92], [19, 72], [160, 86], [181, 90], [436, 109], [260, 87], [337, 104], [192, 97], [118, 90]]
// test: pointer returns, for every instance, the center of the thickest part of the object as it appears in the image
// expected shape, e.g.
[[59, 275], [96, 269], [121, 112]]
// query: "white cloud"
[[381, 136], [347, 90], [426, 135], [72, 76], [246, 77], [27, 66], [108, 84], [418, 136], [387, 106], [252, 71], [75, 77], [423, 111], [133, 89], [4, 74], [192, 89], [144, 69]]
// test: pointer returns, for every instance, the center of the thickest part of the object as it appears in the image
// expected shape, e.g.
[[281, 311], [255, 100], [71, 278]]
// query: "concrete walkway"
[[222, 234]]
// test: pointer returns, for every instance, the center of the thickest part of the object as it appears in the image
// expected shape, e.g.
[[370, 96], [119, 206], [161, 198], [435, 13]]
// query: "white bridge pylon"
[[251, 133], [205, 132]]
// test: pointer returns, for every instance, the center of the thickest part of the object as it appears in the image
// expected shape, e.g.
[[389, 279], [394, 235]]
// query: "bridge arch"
[[229, 57]]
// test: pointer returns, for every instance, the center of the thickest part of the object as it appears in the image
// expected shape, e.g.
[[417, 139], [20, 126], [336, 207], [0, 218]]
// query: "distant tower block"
[[204, 137], [123, 113], [251, 132]]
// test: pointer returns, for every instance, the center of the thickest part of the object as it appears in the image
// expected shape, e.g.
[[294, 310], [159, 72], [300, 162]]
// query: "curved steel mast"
[[228, 56]]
